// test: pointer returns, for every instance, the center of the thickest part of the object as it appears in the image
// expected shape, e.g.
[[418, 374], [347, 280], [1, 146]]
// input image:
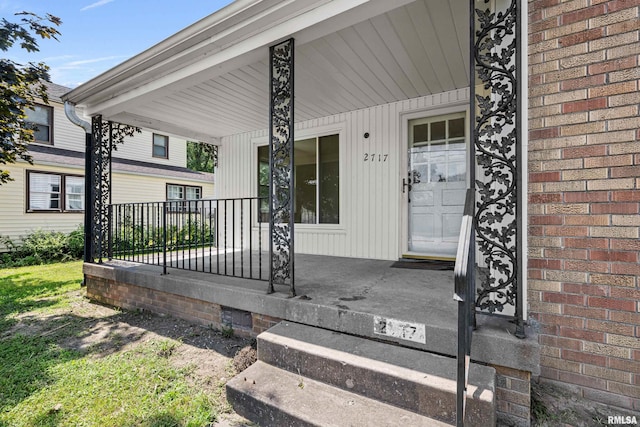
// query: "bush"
[[43, 247]]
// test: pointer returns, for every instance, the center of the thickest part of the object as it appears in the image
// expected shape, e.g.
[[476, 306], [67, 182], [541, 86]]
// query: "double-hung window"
[[40, 119], [160, 146], [316, 180], [182, 197], [51, 192]]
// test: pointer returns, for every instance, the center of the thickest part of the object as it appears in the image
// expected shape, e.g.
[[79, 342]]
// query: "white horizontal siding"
[[139, 147], [372, 199]]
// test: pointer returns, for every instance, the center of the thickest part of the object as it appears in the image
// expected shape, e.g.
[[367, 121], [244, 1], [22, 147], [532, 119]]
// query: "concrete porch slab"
[[351, 296]]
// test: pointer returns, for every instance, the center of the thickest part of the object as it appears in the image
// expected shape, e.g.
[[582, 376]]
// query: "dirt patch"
[[99, 331]]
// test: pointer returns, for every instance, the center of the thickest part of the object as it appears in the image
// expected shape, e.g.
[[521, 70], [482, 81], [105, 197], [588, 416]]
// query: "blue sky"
[[99, 34]]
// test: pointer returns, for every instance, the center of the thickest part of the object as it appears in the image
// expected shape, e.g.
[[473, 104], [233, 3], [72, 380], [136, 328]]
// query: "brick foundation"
[[584, 195], [513, 396]]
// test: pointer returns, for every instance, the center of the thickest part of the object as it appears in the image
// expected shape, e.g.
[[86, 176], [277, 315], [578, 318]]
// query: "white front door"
[[438, 180]]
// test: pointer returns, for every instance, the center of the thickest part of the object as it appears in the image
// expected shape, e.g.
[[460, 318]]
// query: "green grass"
[[42, 383]]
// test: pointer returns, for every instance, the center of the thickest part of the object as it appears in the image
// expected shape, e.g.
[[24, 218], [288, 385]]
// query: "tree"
[[21, 85], [201, 157]]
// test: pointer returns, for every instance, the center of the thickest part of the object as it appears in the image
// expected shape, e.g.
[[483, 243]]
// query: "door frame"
[[460, 106]]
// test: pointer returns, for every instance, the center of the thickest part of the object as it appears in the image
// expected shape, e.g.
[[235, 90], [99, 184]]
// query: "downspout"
[[70, 112]]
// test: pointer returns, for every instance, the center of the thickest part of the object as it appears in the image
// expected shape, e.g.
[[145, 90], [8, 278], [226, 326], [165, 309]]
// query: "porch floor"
[[345, 294]]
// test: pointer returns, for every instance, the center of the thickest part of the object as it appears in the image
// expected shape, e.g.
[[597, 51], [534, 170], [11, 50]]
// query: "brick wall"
[[513, 396], [584, 194], [133, 297]]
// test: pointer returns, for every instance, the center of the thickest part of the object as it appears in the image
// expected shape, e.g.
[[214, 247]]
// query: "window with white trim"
[[51, 192], [40, 119], [182, 194]]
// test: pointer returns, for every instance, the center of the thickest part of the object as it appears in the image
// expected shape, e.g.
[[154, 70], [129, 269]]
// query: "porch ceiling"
[[355, 59]]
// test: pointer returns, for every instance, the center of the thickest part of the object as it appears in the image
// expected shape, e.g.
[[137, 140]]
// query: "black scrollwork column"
[[498, 141], [281, 185], [100, 191]]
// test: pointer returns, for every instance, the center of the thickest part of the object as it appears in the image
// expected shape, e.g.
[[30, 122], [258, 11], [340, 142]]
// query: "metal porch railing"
[[218, 236], [464, 276]]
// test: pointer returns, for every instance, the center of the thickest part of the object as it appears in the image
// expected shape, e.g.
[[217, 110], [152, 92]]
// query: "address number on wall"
[[375, 157]]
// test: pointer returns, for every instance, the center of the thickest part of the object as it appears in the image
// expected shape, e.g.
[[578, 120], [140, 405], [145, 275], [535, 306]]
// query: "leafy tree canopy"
[[21, 85], [201, 157]]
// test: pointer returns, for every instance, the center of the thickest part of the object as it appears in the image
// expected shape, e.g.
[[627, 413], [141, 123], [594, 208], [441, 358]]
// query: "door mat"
[[424, 264]]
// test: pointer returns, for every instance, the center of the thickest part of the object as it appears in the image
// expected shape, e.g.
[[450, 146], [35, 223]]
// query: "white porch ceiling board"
[[201, 105], [422, 22], [211, 99], [404, 27], [314, 78], [400, 53], [350, 55], [445, 29], [345, 74], [390, 88], [372, 38], [460, 14]]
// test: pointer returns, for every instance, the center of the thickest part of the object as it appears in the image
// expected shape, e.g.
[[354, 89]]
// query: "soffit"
[[417, 49]]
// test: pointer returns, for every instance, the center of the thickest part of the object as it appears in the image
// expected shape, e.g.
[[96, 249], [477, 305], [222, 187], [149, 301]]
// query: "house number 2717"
[[373, 157]]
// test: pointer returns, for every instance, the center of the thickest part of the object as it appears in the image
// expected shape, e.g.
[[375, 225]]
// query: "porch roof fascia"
[[236, 35]]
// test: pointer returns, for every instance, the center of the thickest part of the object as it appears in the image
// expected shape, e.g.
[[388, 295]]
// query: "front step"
[[273, 397], [416, 381]]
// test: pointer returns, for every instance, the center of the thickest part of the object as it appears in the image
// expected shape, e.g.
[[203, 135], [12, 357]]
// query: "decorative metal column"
[[281, 184], [104, 138], [498, 144]]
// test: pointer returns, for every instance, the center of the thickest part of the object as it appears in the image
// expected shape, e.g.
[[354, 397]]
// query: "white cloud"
[[96, 4], [93, 60]]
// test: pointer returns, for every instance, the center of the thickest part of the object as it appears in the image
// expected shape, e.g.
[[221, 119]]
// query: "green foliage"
[[21, 85], [201, 157], [193, 231], [43, 247]]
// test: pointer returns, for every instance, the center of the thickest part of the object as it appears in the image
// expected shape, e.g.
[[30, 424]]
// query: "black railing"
[[464, 276], [222, 236]]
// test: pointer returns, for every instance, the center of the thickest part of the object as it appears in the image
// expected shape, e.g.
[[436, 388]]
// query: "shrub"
[[42, 247]]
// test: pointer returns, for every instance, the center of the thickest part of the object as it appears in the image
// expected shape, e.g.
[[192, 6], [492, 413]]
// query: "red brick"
[[548, 264], [563, 298], [613, 65], [581, 37], [544, 176], [614, 208], [539, 5], [625, 244], [583, 82], [544, 133], [615, 5], [587, 220], [536, 231], [629, 269], [581, 379], [586, 196], [558, 320], [620, 256], [545, 197], [588, 312], [582, 334], [578, 356], [612, 304], [587, 243], [579, 288], [545, 220], [624, 172], [582, 14], [585, 105]]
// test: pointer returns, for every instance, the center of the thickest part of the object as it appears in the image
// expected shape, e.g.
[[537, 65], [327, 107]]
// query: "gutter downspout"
[[70, 112]]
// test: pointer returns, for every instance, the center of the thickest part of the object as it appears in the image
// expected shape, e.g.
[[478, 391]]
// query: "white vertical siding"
[[371, 199]]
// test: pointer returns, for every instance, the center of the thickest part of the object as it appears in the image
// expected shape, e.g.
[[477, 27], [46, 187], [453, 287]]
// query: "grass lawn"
[[46, 379]]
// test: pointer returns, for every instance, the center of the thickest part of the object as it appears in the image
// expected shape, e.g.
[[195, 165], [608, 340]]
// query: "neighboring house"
[[50, 193], [390, 128]]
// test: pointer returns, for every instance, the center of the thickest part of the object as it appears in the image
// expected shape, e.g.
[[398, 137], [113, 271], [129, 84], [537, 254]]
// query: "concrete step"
[[411, 379], [272, 397]]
